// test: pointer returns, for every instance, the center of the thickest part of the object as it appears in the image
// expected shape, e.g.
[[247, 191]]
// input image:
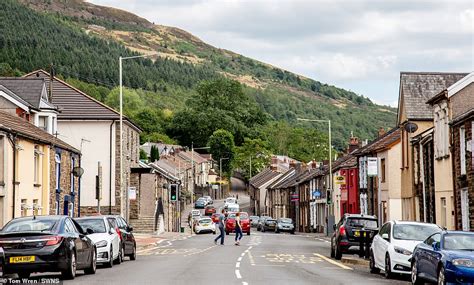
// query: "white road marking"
[[239, 259], [245, 283], [237, 274], [333, 262], [243, 253], [237, 264]]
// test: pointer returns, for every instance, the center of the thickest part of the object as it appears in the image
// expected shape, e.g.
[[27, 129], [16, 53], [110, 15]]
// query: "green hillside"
[[84, 42]]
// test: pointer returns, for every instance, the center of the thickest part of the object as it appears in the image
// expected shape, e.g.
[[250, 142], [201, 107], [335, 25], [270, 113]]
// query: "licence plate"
[[357, 234], [22, 259], [205, 225]]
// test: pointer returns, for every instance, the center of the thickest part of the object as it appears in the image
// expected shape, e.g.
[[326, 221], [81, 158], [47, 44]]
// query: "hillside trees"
[[222, 148]]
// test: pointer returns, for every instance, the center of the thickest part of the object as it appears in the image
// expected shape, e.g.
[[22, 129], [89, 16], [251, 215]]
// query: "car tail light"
[[53, 240], [342, 231], [119, 233]]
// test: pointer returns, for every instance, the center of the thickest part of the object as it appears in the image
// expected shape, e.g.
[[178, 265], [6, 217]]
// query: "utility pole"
[[220, 172]]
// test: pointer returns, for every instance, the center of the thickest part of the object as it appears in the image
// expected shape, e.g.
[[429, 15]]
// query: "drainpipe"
[[453, 150], [78, 190], [12, 141], [110, 168]]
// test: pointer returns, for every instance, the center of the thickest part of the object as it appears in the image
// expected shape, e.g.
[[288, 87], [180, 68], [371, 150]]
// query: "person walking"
[[221, 228], [238, 229]]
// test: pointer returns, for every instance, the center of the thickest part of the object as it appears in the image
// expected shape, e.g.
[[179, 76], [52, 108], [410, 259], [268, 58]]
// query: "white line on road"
[[237, 274], [245, 283], [333, 262], [237, 264], [239, 259], [243, 253]]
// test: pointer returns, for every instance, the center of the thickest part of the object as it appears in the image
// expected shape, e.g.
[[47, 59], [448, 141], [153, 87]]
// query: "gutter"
[[110, 167]]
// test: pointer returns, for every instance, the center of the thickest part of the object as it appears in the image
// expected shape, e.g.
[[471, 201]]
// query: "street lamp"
[[192, 166], [220, 172], [330, 163], [124, 211]]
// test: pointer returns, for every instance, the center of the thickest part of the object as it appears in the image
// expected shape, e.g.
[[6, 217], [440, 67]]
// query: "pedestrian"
[[238, 229], [221, 228]]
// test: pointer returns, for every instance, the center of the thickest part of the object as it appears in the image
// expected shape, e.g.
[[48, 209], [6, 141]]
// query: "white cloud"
[[359, 45]]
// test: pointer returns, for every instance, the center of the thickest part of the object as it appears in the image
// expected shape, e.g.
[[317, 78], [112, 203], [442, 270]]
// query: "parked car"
[[209, 210], [444, 257], [261, 221], [392, 247], [244, 222], [285, 225], [105, 238], [254, 221], [203, 225], [230, 200], [347, 233], [47, 244], [269, 225], [129, 245], [200, 203], [232, 208], [208, 199]]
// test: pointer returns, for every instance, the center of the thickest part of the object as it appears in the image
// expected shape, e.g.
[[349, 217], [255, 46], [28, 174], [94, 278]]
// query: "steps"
[[143, 224]]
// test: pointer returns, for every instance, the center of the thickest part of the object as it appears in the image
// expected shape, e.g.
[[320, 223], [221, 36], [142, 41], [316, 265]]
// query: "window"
[[35, 207], [443, 211], [441, 137], [465, 209], [24, 207], [433, 238], [382, 167], [462, 149], [2, 158], [37, 165], [43, 123], [57, 158]]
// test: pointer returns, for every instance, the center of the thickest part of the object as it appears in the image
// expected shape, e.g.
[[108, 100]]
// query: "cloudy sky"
[[358, 45]]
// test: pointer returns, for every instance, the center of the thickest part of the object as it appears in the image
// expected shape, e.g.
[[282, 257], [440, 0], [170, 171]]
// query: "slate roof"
[[380, 143], [29, 89], [22, 128], [14, 96], [418, 87], [263, 177], [75, 104], [347, 161]]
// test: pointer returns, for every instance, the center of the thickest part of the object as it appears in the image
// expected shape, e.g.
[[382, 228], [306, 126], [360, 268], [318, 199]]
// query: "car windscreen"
[[414, 231], [362, 223], [253, 218], [270, 221], [205, 221], [459, 242], [244, 216], [97, 225], [286, 221], [30, 225]]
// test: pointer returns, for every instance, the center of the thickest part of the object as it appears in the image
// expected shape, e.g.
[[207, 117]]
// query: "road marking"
[[237, 264], [245, 283], [252, 261], [332, 261], [239, 259], [243, 254], [237, 274]]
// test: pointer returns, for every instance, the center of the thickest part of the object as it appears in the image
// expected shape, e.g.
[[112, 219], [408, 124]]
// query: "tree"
[[222, 145], [255, 154], [154, 154], [143, 155]]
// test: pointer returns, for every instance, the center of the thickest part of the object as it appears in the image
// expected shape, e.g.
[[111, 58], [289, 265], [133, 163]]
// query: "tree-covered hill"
[[84, 41]]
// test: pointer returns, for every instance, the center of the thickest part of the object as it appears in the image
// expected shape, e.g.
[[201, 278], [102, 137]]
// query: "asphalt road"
[[262, 258]]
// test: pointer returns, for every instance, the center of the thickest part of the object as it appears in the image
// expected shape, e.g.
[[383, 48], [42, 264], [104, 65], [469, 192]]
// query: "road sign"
[[132, 193], [316, 194], [339, 179], [372, 169]]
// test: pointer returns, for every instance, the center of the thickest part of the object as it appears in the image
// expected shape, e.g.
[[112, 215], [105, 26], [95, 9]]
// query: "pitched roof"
[[418, 87], [263, 177], [380, 143], [347, 161], [22, 128], [75, 104], [29, 89], [16, 98]]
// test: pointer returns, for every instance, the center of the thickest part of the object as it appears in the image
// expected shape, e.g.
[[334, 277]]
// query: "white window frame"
[[465, 209], [462, 149]]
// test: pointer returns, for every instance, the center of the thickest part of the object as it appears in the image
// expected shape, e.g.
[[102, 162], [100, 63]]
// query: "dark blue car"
[[446, 258]]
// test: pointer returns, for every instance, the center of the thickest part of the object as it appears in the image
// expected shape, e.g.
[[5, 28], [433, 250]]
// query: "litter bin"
[[182, 229]]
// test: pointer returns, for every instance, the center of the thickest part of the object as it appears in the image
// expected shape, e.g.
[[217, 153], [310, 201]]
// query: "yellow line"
[[333, 262]]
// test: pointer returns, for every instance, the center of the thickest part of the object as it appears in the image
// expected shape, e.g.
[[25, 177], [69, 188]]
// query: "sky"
[[358, 45]]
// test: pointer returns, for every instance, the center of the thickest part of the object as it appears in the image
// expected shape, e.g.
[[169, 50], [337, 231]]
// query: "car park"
[[254, 221], [269, 225], [285, 225], [129, 244], [46, 244], [204, 225], [349, 231], [392, 247], [445, 257], [209, 210], [261, 221], [244, 222], [105, 238]]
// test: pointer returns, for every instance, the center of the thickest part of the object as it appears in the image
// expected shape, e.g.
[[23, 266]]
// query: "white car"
[[204, 224], [230, 200], [233, 208], [105, 238], [393, 246], [208, 199]]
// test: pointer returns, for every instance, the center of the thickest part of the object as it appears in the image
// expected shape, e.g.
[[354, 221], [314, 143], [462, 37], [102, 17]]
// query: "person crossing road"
[[221, 228], [238, 229]]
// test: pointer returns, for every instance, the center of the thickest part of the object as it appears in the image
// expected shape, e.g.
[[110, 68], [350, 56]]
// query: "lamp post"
[[220, 172], [124, 209], [192, 168], [330, 163]]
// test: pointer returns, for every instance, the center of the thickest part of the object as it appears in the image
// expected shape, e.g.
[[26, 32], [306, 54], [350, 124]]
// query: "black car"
[[46, 244], [349, 232], [261, 220], [269, 225], [127, 238]]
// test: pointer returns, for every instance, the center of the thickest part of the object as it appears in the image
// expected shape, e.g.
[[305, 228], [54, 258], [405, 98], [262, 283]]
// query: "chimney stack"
[[353, 143]]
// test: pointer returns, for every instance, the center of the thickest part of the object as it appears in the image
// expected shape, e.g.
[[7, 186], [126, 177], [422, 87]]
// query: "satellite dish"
[[411, 127], [77, 171]]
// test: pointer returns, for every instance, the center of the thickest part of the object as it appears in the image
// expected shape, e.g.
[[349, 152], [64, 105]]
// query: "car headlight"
[[102, 243], [463, 262], [402, 250]]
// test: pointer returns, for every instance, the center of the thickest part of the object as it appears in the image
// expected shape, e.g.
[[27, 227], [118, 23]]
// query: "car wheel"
[[388, 267], [263, 230], [248, 233], [133, 256], [93, 266], [277, 231], [373, 268], [332, 250], [24, 275], [292, 232], [70, 272], [118, 260], [415, 280], [441, 276], [226, 232], [214, 232], [111, 259], [337, 253]]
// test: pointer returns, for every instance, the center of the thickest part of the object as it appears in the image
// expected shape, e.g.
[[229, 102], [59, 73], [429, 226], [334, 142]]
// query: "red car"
[[215, 218], [244, 222], [209, 210]]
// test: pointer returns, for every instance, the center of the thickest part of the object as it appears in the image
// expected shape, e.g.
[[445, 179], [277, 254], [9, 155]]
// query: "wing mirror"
[[89, 231], [385, 236], [129, 229], [436, 246]]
